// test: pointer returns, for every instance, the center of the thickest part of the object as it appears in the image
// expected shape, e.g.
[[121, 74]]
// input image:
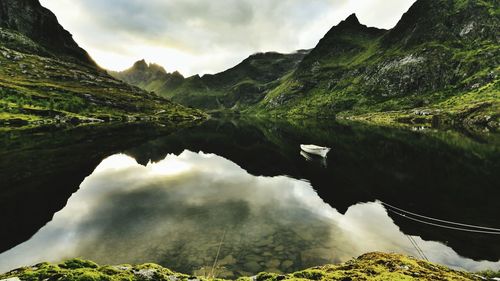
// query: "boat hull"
[[315, 150]]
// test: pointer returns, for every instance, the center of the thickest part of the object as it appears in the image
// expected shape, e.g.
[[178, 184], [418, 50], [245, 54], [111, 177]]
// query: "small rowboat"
[[316, 150]]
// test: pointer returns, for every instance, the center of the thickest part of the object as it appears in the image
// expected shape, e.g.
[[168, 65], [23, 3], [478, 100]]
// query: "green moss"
[[310, 274], [373, 266], [490, 274], [78, 263]]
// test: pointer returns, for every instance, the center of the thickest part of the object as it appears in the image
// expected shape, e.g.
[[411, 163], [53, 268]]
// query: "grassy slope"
[[150, 77], [373, 266], [440, 64], [38, 88], [451, 75]]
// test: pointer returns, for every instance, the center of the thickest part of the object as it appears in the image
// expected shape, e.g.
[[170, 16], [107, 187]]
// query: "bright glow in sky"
[[205, 36]]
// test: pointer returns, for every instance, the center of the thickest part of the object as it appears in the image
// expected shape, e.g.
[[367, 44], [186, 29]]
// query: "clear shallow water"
[[180, 210], [177, 210]]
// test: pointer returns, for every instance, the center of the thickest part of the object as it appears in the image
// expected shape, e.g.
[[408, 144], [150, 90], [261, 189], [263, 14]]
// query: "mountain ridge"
[[47, 78], [246, 82], [413, 73], [437, 67]]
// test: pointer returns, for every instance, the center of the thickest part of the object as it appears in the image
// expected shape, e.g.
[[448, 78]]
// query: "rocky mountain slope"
[[373, 266], [45, 77], [438, 65], [150, 77], [39, 24], [246, 83]]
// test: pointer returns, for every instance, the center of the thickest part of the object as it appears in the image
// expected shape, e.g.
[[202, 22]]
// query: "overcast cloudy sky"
[[208, 36]]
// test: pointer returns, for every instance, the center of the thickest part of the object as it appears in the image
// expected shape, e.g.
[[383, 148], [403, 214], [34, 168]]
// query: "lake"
[[236, 197]]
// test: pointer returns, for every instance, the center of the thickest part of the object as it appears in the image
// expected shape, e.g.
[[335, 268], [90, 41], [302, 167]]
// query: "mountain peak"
[[143, 66], [352, 20], [157, 68], [339, 39], [140, 65]]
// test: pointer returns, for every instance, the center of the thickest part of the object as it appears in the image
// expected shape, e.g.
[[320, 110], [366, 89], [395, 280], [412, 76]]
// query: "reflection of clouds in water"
[[174, 212], [371, 229]]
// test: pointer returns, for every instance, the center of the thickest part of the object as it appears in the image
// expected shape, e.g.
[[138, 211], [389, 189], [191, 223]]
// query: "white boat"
[[316, 150]]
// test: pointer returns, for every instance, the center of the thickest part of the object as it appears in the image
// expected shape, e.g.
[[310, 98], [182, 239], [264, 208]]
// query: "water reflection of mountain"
[[444, 175], [40, 169], [181, 211]]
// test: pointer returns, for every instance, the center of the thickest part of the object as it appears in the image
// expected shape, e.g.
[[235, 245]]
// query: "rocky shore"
[[371, 266]]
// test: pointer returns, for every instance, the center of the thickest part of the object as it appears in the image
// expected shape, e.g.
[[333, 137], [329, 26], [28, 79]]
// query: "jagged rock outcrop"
[[245, 84], [151, 77], [443, 21], [29, 18]]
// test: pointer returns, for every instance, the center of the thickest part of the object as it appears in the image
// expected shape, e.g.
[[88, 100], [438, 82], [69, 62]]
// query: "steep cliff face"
[[441, 59], [39, 24], [438, 46], [442, 21]]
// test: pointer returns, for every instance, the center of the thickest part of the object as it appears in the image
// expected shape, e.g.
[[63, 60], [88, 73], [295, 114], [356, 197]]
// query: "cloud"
[[210, 36]]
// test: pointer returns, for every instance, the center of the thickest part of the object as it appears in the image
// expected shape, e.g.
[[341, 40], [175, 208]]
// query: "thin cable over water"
[[444, 226], [490, 230]]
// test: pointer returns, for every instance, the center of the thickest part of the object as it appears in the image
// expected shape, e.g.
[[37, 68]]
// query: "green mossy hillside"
[[46, 78], [438, 65], [372, 266], [231, 90]]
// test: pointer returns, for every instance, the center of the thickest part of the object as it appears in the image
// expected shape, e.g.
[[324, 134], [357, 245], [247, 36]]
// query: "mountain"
[[39, 24], [438, 65], [150, 77], [346, 40], [46, 78], [243, 85]]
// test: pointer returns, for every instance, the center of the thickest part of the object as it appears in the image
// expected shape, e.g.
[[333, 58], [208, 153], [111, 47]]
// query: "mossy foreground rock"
[[373, 266]]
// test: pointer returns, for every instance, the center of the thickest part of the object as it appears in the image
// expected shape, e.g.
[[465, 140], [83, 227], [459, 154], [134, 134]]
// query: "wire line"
[[440, 220], [445, 226]]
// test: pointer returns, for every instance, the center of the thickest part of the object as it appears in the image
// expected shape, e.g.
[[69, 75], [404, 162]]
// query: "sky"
[[207, 36]]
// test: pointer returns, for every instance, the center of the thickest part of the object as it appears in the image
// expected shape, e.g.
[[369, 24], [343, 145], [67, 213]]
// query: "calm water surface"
[[240, 194]]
